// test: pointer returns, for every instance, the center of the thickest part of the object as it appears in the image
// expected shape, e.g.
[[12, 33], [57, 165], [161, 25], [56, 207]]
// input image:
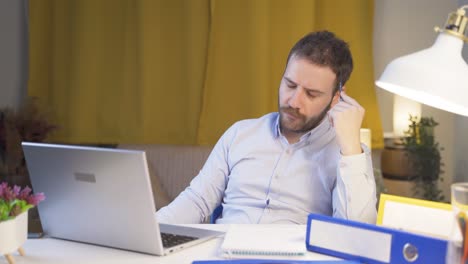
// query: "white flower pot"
[[13, 234]]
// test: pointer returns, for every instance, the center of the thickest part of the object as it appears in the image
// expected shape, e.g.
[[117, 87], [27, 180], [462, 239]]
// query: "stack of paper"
[[258, 241]]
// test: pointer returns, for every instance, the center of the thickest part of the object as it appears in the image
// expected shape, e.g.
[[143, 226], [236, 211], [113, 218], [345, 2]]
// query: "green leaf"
[[10, 209], [4, 211]]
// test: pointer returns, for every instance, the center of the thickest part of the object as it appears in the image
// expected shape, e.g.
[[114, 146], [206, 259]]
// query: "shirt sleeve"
[[206, 190], [354, 196]]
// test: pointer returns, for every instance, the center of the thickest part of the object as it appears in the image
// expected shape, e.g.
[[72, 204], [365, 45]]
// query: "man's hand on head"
[[346, 116]]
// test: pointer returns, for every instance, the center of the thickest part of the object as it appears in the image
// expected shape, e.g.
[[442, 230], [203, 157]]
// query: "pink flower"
[[9, 194], [23, 195], [16, 191], [6, 193], [3, 188], [34, 199]]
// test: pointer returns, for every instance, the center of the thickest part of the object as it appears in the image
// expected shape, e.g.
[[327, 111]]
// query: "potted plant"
[[423, 154], [27, 123], [14, 205]]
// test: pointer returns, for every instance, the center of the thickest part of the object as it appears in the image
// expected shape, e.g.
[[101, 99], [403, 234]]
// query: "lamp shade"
[[437, 76]]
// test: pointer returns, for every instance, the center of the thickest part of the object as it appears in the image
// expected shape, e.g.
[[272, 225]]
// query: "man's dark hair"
[[323, 48]]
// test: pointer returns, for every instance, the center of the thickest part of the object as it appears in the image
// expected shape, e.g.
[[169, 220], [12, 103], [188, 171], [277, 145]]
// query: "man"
[[307, 158]]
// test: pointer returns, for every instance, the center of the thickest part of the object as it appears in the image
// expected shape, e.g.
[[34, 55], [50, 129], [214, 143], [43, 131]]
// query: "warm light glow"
[[366, 137], [402, 109], [425, 98]]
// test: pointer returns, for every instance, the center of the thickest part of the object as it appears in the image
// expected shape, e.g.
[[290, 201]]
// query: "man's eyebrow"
[[289, 80], [308, 89]]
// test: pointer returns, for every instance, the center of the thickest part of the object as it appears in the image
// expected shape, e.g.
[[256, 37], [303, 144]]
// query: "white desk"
[[55, 251]]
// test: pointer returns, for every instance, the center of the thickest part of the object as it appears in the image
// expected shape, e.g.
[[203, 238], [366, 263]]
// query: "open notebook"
[[264, 241]]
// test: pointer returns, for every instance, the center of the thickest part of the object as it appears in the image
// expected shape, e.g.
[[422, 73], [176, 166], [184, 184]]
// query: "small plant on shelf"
[[424, 156]]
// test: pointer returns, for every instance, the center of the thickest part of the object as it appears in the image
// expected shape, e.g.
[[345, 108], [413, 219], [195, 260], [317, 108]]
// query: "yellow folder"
[[416, 215]]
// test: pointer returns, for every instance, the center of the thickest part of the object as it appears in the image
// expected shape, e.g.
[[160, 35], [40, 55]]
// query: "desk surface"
[[54, 251]]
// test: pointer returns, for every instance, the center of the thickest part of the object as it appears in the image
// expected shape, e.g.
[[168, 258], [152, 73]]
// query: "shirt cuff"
[[355, 163]]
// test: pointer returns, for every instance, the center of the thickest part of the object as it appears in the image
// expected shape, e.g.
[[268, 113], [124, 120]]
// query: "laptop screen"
[[95, 195]]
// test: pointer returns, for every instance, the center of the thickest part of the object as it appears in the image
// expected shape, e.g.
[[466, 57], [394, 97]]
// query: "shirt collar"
[[310, 136], [276, 127]]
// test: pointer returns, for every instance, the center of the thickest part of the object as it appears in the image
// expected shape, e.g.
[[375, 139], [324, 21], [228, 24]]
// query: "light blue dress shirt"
[[260, 178]]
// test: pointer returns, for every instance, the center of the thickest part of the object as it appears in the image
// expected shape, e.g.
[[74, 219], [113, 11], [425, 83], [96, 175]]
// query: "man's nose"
[[295, 101]]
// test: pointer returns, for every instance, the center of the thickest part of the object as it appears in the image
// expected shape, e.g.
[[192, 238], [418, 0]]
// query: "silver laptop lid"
[[95, 195]]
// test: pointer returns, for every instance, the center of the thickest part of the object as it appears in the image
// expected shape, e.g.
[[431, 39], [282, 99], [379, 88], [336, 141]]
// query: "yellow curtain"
[[179, 71], [116, 71]]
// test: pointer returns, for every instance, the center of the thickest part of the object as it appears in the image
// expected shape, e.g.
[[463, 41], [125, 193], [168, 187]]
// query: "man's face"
[[305, 96]]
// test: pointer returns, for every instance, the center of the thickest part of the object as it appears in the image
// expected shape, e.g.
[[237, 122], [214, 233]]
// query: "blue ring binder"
[[426, 249]]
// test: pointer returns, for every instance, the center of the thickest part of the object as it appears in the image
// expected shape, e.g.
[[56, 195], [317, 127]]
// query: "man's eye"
[[311, 95], [290, 84]]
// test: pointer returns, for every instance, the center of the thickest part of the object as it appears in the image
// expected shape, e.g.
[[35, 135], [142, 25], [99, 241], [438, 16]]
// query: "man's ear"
[[336, 97]]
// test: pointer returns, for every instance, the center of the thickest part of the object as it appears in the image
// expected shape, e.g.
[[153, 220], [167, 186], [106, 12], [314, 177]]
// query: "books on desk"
[[340, 238], [370, 243], [264, 241]]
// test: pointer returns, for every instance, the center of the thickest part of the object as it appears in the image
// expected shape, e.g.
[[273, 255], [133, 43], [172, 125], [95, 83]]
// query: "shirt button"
[[276, 176], [288, 151]]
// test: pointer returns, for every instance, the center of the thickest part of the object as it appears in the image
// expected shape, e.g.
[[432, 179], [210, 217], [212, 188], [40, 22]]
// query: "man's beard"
[[300, 125]]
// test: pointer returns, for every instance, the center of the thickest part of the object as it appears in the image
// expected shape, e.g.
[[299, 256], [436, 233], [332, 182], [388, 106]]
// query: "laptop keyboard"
[[171, 240]]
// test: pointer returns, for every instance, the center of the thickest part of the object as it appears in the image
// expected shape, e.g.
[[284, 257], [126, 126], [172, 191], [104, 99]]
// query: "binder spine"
[[403, 247]]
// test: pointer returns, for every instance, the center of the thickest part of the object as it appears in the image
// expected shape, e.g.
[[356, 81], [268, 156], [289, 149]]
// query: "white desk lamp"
[[437, 76]]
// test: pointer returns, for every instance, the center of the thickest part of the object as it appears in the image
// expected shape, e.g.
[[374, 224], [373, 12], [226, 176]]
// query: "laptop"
[[102, 196]]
